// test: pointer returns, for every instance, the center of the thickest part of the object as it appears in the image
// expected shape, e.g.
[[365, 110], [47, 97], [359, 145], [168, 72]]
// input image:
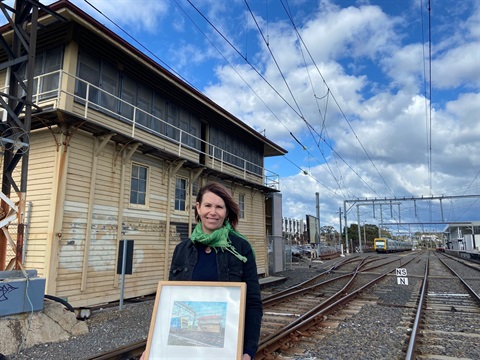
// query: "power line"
[[275, 61], [144, 47], [239, 75], [258, 72], [333, 97], [251, 65], [430, 97]]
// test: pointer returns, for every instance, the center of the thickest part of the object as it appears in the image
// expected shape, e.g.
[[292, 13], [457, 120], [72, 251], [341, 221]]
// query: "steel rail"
[[416, 324], [311, 318], [305, 284], [468, 287], [466, 262], [125, 352], [304, 287]]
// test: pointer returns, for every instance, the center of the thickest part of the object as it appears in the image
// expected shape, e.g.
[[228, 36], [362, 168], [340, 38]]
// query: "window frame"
[[146, 193], [241, 206], [178, 200]]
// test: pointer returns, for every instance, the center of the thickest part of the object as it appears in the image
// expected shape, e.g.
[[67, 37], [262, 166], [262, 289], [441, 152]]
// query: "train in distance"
[[387, 245]]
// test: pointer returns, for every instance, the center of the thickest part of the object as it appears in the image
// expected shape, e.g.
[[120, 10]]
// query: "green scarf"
[[218, 239]]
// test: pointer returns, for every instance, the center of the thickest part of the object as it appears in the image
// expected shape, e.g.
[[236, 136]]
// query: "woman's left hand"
[[246, 357]]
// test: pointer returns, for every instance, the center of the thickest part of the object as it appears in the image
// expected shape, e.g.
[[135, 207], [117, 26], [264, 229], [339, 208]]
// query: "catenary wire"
[[336, 102]]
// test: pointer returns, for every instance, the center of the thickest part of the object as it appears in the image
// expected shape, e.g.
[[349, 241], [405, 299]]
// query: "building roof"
[[461, 224]]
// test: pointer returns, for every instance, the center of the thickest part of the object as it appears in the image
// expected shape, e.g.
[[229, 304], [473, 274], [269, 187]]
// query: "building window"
[[180, 194], [138, 187], [241, 205], [89, 72], [234, 151], [138, 101], [46, 65]]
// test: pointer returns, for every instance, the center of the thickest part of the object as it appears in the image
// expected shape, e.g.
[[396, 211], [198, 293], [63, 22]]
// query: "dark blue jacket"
[[230, 268]]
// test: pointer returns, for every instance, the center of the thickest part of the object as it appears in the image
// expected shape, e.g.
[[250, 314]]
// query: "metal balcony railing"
[[60, 90]]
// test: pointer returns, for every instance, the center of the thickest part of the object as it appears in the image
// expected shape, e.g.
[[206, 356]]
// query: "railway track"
[[130, 351], [301, 319], [448, 313], [297, 318]]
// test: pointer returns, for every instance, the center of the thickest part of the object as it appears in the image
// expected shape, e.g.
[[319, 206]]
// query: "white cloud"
[[370, 60], [458, 66], [141, 15]]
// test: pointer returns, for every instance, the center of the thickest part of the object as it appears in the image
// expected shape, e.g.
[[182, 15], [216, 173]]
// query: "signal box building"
[[118, 150]]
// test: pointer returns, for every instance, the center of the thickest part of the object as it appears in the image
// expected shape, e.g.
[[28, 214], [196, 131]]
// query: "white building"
[[463, 236]]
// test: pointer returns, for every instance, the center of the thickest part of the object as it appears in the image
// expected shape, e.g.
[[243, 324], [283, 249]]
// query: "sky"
[[372, 99]]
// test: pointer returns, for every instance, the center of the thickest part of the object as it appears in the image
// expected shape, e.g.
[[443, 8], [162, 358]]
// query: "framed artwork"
[[197, 320]]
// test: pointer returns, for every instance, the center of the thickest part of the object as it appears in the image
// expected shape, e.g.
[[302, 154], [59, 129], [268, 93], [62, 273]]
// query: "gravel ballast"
[[362, 335]]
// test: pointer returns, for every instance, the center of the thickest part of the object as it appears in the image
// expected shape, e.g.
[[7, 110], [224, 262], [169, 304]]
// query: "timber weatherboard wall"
[[40, 185], [85, 275]]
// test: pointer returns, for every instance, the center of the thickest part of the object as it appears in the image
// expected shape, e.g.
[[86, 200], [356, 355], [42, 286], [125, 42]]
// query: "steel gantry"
[[348, 204], [18, 44]]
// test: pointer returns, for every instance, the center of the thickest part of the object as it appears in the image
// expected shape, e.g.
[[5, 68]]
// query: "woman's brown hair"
[[218, 189]]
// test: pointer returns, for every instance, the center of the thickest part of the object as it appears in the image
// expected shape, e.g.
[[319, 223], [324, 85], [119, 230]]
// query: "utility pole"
[[347, 247], [340, 243], [318, 223], [364, 234], [359, 230]]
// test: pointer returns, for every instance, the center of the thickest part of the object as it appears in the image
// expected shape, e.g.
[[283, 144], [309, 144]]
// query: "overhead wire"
[[236, 71], [336, 102], [242, 56], [243, 79], [430, 161], [323, 115], [425, 84], [177, 74], [275, 61], [289, 89], [304, 172], [299, 113], [257, 71]]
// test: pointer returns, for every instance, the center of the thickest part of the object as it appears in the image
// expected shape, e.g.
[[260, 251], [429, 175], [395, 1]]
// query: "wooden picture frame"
[[197, 321]]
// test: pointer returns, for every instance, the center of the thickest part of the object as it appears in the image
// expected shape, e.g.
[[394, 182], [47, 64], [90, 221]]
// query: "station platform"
[[472, 255], [271, 281]]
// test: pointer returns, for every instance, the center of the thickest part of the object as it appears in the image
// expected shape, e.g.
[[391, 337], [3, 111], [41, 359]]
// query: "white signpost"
[[401, 276]]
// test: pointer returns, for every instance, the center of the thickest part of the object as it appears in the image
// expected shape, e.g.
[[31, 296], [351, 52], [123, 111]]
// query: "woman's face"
[[212, 212]]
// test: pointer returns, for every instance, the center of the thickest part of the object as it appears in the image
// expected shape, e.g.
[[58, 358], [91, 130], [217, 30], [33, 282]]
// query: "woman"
[[217, 252]]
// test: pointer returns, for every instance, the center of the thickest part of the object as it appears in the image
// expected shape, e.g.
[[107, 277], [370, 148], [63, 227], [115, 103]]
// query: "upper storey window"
[[120, 95], [47, 64], [233, 150]]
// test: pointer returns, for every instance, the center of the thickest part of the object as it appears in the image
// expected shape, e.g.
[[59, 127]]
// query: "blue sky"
[[377, 112]]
